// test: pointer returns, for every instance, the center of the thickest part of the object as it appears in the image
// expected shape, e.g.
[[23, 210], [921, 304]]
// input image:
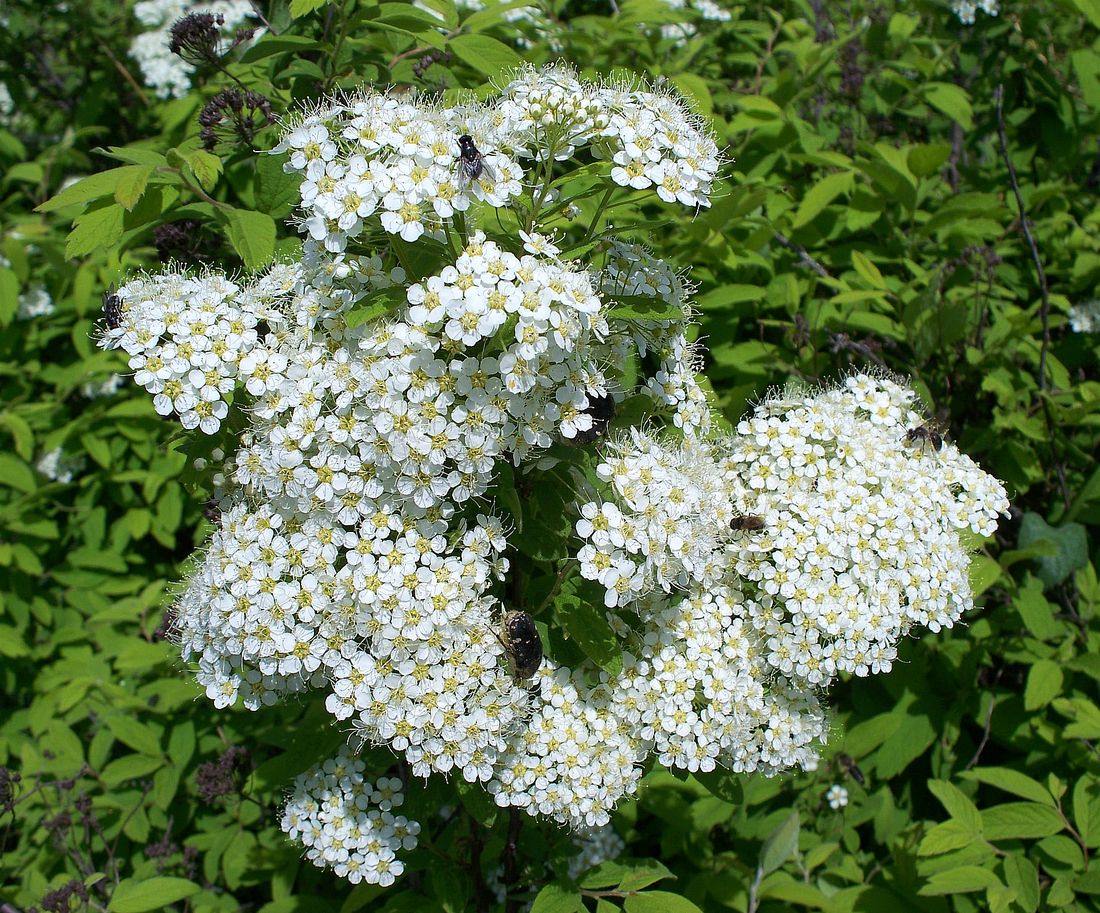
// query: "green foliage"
[[868, 219]]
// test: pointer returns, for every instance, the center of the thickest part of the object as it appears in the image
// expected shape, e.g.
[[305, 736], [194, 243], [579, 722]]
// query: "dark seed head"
[[196, 39]]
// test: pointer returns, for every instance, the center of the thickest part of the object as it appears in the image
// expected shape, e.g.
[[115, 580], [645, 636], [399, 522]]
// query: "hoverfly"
[[521, 641]]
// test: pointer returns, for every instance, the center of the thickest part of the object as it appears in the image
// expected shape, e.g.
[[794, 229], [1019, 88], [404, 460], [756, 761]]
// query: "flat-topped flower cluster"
[[358, 551], [371, 154]]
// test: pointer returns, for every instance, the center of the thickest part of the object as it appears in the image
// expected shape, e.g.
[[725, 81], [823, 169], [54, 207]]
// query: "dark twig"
[[985, 733], [511, 870], [803, 255], [1044, 311], [1025, 226]]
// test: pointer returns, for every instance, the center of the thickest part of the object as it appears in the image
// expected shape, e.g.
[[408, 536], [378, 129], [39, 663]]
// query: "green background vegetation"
[[869, 219]]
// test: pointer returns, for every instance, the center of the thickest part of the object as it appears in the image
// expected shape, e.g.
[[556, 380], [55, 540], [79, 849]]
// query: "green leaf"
[[277, 192], [130, 732], [725, 784], [252, 235], [376, 304], [304, 7], [1091, 9], [867, 270], [16, 474], [133, 896], [131, 186], [96, 228], [584, 618], [488, 56], [659, 902], [129, 767], [1044, 683], [957, 804], [1011, 781], [1023, 878], [103, 184], [643, 307], [1069, 546], [1018, 820], [205, 166], [821, 195], [643, 874], [960, 880], [926, 160], [946, 837], [952, 100], [556, 898], [780, 845]]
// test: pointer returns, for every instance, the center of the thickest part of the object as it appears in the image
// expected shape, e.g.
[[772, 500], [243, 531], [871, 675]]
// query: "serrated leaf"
[[16, 474], [134, 896], [206, 167], [926, 160], [252, 235], [95, 229], [132, 182], [276, 191], [93, 187]]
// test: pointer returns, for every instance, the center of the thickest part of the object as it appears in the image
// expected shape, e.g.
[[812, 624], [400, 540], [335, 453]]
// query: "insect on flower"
[[602, 410], [925, 433], [521, 641], [747, 523], [471, 160]]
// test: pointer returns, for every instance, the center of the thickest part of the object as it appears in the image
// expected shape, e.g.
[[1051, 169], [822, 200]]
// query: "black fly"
[[470, 157], [522, 643]]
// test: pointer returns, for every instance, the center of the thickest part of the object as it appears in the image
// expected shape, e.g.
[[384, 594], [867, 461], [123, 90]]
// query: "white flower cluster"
[[1085, 318], [58, 466], [35, 302], [630, 271], [168, 74], [704, 10], [347, 824], [597, 845], [967, 10], [7, 104], [343, 559], [860, 539], [97, 389], [373, 154]]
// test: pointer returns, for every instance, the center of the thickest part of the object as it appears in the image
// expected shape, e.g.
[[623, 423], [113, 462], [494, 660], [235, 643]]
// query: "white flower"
[[837, 797]]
